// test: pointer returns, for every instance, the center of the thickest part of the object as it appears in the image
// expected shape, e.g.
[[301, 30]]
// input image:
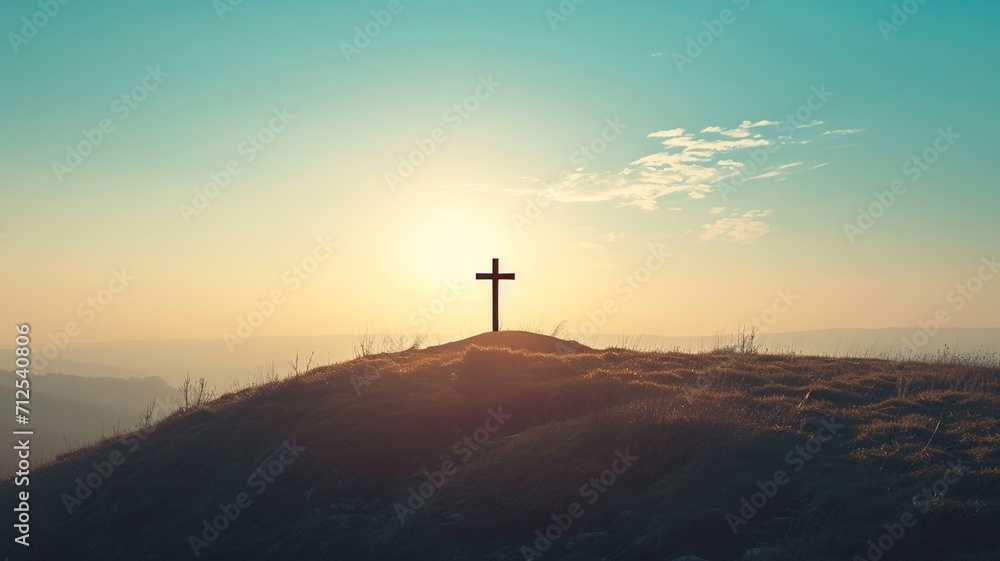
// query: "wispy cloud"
[[688, 164], [738, 228], [666, 134], [842, 132], [791, 165], [742, 131]]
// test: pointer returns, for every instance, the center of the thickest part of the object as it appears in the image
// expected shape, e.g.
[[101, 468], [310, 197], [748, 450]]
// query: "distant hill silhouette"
[[510, 442], [72, 411]]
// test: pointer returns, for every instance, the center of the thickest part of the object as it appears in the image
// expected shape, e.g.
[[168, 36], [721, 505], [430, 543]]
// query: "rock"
[[689, 558], [585, 539], [751, 553], [452, 519]]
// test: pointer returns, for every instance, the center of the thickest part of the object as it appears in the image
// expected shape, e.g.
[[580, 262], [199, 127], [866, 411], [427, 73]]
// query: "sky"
[[223, 170]]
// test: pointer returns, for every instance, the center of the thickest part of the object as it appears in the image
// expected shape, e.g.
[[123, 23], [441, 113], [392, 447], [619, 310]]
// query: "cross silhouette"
[[496, 276]]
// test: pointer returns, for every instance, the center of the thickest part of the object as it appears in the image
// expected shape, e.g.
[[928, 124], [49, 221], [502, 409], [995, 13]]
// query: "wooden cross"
[[496, 276]]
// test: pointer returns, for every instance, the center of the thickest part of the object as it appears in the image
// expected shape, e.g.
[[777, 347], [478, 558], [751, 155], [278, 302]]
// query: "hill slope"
[[508, 445]]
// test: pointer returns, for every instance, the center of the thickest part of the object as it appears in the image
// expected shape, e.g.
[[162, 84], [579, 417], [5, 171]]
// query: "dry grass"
[[706, 428]]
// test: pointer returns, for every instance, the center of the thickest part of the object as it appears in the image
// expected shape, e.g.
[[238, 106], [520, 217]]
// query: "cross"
[[496, 276]]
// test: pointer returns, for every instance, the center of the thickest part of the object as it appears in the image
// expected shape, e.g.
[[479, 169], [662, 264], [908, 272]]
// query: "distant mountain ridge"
[[72, 411], [171, 359]]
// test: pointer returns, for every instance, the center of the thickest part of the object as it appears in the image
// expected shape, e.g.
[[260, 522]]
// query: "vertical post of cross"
[[496, 276]]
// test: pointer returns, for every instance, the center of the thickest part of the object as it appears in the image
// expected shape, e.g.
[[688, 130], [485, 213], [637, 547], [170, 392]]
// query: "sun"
[[448, 240]]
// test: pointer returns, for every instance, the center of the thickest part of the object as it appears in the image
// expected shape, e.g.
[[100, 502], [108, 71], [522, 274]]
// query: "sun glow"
[[450, 242]]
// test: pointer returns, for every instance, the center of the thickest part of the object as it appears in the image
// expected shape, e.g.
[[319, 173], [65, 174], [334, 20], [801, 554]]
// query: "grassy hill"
[[510, 444]]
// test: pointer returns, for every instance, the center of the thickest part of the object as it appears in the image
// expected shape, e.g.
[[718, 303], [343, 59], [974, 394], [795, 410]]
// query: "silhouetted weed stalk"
[[370, 344]]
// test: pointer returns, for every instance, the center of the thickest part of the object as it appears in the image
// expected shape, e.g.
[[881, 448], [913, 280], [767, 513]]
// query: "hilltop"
[[511, 444]]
